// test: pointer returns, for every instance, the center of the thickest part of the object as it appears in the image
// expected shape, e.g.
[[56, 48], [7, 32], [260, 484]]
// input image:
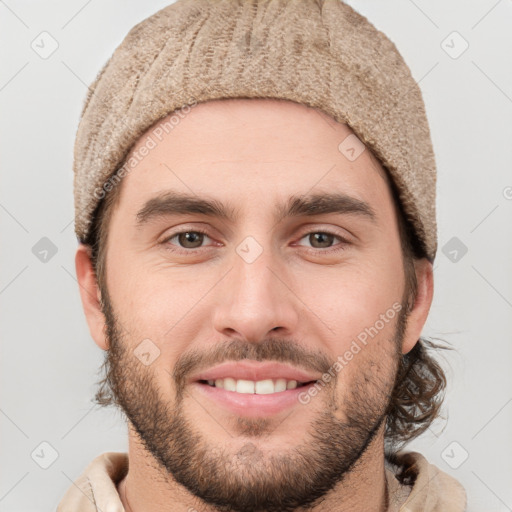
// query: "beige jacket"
[[432, 491]]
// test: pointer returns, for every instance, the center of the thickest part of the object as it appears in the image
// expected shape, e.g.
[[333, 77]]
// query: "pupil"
[[189, 236], [319, 236], [195, 237]]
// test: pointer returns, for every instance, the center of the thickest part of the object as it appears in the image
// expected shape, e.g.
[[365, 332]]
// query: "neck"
[[363, 488]]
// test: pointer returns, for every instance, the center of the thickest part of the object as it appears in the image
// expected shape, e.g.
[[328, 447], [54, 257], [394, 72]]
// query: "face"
[[254, 340]]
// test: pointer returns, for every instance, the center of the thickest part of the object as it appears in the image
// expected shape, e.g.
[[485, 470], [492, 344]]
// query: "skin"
[[254, 154]]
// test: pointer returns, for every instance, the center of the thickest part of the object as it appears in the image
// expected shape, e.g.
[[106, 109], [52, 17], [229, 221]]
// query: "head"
[[266, 273]]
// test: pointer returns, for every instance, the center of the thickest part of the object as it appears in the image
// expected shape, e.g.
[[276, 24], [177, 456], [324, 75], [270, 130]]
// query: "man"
[[255, 205]]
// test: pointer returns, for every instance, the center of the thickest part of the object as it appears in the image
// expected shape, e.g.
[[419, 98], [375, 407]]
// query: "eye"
[[184, 242], [192, 239], [324, 240]]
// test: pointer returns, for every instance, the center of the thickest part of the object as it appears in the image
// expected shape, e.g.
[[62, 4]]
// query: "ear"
[[419, 312], [90, 295]]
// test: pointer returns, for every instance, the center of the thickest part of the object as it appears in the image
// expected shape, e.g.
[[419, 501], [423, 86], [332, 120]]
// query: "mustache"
[[271, 349]]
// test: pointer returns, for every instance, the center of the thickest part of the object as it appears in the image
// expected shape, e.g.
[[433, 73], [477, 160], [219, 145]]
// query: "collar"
[[414, 485]]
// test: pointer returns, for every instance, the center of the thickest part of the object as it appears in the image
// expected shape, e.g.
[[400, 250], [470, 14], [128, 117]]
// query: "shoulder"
[[431, 489], [97, 484]]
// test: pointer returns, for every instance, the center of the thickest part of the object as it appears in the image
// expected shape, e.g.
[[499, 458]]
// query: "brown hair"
[[420, 385]]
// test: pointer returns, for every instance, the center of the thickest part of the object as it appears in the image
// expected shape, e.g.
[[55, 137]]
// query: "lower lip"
[[252, 405]]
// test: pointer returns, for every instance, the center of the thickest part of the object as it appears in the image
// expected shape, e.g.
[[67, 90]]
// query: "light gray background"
[[48, 360]]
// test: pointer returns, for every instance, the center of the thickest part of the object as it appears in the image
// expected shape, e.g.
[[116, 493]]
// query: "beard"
[[248, 479]]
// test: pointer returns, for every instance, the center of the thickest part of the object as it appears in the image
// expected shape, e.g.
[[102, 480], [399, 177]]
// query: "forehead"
[[250, 149]]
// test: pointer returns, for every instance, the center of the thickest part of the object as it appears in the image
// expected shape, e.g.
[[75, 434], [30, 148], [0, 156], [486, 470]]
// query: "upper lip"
[[255, 371]]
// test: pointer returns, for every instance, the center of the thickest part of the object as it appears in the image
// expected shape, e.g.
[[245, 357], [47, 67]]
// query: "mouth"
[[253, 389], [260, 387]]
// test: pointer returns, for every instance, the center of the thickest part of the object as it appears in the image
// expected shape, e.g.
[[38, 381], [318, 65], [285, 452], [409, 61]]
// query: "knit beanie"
[[320, 53]]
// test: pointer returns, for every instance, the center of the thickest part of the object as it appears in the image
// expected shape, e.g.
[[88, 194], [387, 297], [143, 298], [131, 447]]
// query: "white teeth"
[[261, 387], [244, 386], [264, 387], [230, 384], [280, 385]]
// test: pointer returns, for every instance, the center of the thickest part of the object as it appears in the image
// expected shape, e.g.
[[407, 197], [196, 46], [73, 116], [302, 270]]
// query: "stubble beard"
[[248, 479]]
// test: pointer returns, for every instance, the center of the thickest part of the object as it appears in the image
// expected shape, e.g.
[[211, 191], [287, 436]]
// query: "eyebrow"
[[177, 203]]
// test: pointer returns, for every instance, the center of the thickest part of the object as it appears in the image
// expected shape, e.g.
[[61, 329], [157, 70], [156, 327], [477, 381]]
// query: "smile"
[[260, 387], [253, 388]]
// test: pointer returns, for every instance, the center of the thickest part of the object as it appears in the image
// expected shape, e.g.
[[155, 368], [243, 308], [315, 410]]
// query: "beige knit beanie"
[[320, 53]]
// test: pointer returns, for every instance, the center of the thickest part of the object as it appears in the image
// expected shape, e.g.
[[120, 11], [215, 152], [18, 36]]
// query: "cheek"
[[352, 299], [162, 308]]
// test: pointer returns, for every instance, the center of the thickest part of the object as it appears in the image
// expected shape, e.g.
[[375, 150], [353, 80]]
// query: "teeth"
[[264, 387], [280, 385], [244, 386], [229, 384], [261, 387]]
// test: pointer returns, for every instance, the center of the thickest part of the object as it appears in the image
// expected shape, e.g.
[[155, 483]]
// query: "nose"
[[256, 298]]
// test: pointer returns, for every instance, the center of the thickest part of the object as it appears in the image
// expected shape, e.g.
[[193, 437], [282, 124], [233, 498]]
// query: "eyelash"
[[329, 250]]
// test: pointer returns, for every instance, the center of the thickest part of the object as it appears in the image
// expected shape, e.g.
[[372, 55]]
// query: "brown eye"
[[190, 239], [183, 242], [321, 240]]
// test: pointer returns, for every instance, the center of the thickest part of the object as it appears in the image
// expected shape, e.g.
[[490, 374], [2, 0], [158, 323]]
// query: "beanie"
[[320, 53]]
